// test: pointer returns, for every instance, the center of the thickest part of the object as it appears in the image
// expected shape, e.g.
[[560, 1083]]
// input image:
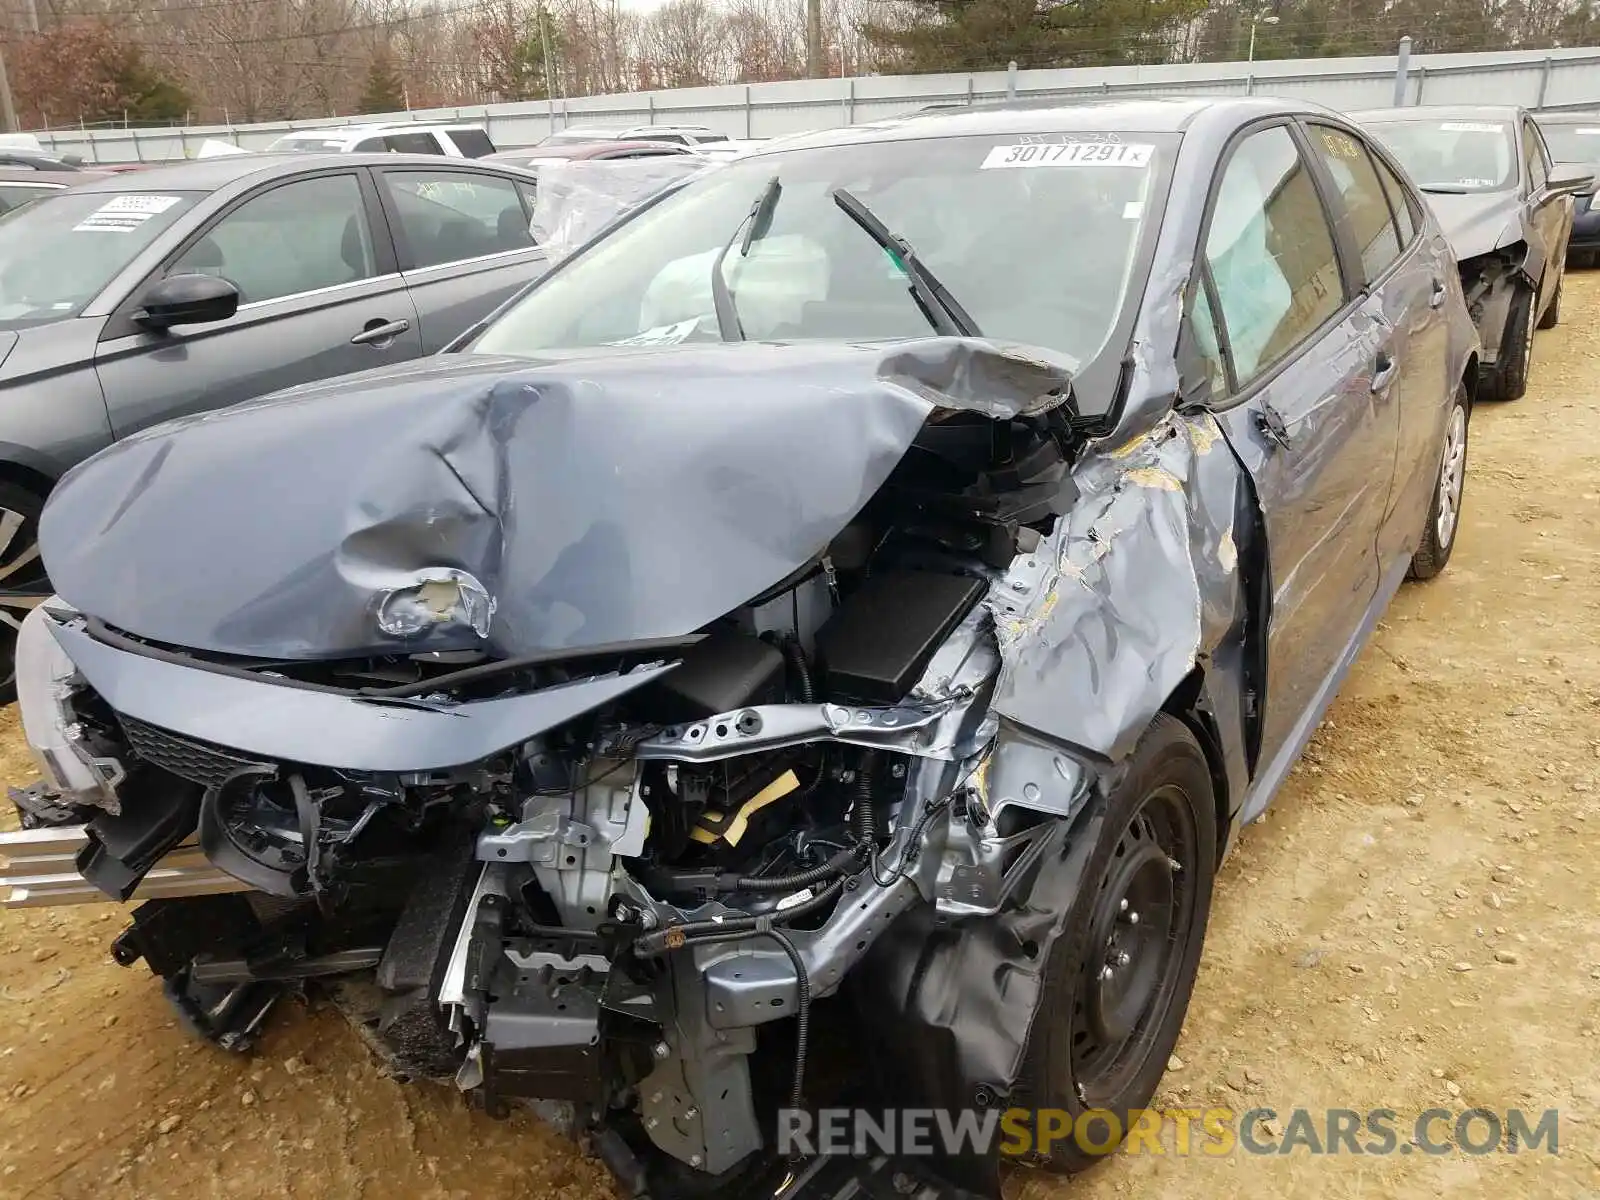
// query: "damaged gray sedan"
[[854, 602], [1507, 211]]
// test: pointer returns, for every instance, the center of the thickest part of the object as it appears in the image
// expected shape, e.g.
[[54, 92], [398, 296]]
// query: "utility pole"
[[814, 39], [549, 65], [10, 112]]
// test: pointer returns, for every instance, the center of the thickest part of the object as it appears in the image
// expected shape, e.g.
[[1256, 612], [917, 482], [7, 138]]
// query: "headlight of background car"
[[46, 682]]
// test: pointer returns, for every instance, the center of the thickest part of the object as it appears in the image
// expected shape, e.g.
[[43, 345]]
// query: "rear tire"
[[1117, 983], [22, 579], [1444, 510], [1508, 378]]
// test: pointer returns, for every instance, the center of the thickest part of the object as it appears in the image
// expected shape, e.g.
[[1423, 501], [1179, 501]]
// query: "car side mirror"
[[189, 299], [1570, 177]]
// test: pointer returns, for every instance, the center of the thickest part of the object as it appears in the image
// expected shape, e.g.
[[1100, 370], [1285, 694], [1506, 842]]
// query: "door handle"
[[379, 333], [1383, 371], [1436, 298], [1270, 424]]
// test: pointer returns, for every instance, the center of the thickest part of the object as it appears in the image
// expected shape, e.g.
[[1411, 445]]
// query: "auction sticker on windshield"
[[1070, 154], [1471, 127], [122, 213]]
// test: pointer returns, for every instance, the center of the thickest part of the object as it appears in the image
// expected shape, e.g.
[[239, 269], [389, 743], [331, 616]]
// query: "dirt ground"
[[1413, 926]]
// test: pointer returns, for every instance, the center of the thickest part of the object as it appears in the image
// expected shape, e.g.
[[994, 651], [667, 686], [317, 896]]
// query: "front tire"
[[22, 578], [1508, 378], [1118, 982], [1444, 511]]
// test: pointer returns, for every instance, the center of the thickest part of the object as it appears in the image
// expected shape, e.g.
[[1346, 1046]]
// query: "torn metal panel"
[[949, 1005], [544, 482], [1479, 222], [324, 729], [1133, 587]]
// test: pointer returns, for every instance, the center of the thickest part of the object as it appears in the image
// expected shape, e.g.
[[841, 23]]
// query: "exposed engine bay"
[[1489, 282], [608, 916]]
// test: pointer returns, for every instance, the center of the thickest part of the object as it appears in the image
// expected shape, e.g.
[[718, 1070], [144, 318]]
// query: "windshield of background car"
[[1573, 143], [58, 256], [1453, 156], [1036, 236]]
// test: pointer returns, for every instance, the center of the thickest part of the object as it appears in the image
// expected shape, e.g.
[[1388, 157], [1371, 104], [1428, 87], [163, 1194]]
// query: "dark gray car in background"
[[130, 299], [1506, 208], [1575, 138]]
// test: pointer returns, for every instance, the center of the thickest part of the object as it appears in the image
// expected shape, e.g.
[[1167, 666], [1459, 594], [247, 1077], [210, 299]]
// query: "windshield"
[[1453, 156], [1573, 143], [307, 142], [1042, 255], [56, 257]]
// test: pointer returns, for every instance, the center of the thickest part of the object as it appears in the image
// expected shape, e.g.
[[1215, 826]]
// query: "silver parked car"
[[130, 299], [1507, 210]]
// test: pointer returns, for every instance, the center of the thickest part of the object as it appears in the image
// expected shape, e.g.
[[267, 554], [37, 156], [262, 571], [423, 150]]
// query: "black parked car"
[[888, 569], [1575, 138], [1507, 210], [129, 299]]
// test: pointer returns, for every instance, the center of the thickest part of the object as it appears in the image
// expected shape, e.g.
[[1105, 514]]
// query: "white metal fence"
[[1556, 79]]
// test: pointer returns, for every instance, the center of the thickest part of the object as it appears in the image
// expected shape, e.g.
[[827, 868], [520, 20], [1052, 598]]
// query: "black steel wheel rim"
[[1140, 926]]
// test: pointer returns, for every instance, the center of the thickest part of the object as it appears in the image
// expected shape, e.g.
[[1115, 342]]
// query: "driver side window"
[[1271, 253], [298, 237]]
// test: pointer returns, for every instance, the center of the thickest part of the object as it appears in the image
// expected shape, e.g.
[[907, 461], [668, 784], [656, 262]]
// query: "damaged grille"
[[188, 758]]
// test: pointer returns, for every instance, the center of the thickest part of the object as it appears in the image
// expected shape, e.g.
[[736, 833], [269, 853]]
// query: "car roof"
[[213, 174], [1437, 112], [368, 128], [1135, 114], [603, 147], [55, 178]]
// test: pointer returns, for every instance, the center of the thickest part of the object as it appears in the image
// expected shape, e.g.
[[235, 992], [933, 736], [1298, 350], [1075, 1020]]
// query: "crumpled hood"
[[1478, 222], [601, 497]]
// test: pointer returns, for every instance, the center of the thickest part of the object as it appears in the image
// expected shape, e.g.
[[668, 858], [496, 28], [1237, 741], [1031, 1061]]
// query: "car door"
[[319, 296], [1552, 211], [463, 242], [1431, 378], [1293, 346], [1405, 284]]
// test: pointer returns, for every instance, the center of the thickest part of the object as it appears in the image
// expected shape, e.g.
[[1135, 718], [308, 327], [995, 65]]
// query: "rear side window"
[[1400, 200], [1360, 204], [412, 143], [447, 216], [474, 143], [1270, 252]]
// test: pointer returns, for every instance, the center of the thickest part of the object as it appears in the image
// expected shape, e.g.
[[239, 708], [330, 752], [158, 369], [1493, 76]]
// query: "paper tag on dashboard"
[[1069, 154], [122, 213]]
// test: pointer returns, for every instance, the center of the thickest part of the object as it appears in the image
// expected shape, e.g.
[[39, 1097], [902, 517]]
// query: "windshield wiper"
[[944, 313], [753, 226], [1441, 189]]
